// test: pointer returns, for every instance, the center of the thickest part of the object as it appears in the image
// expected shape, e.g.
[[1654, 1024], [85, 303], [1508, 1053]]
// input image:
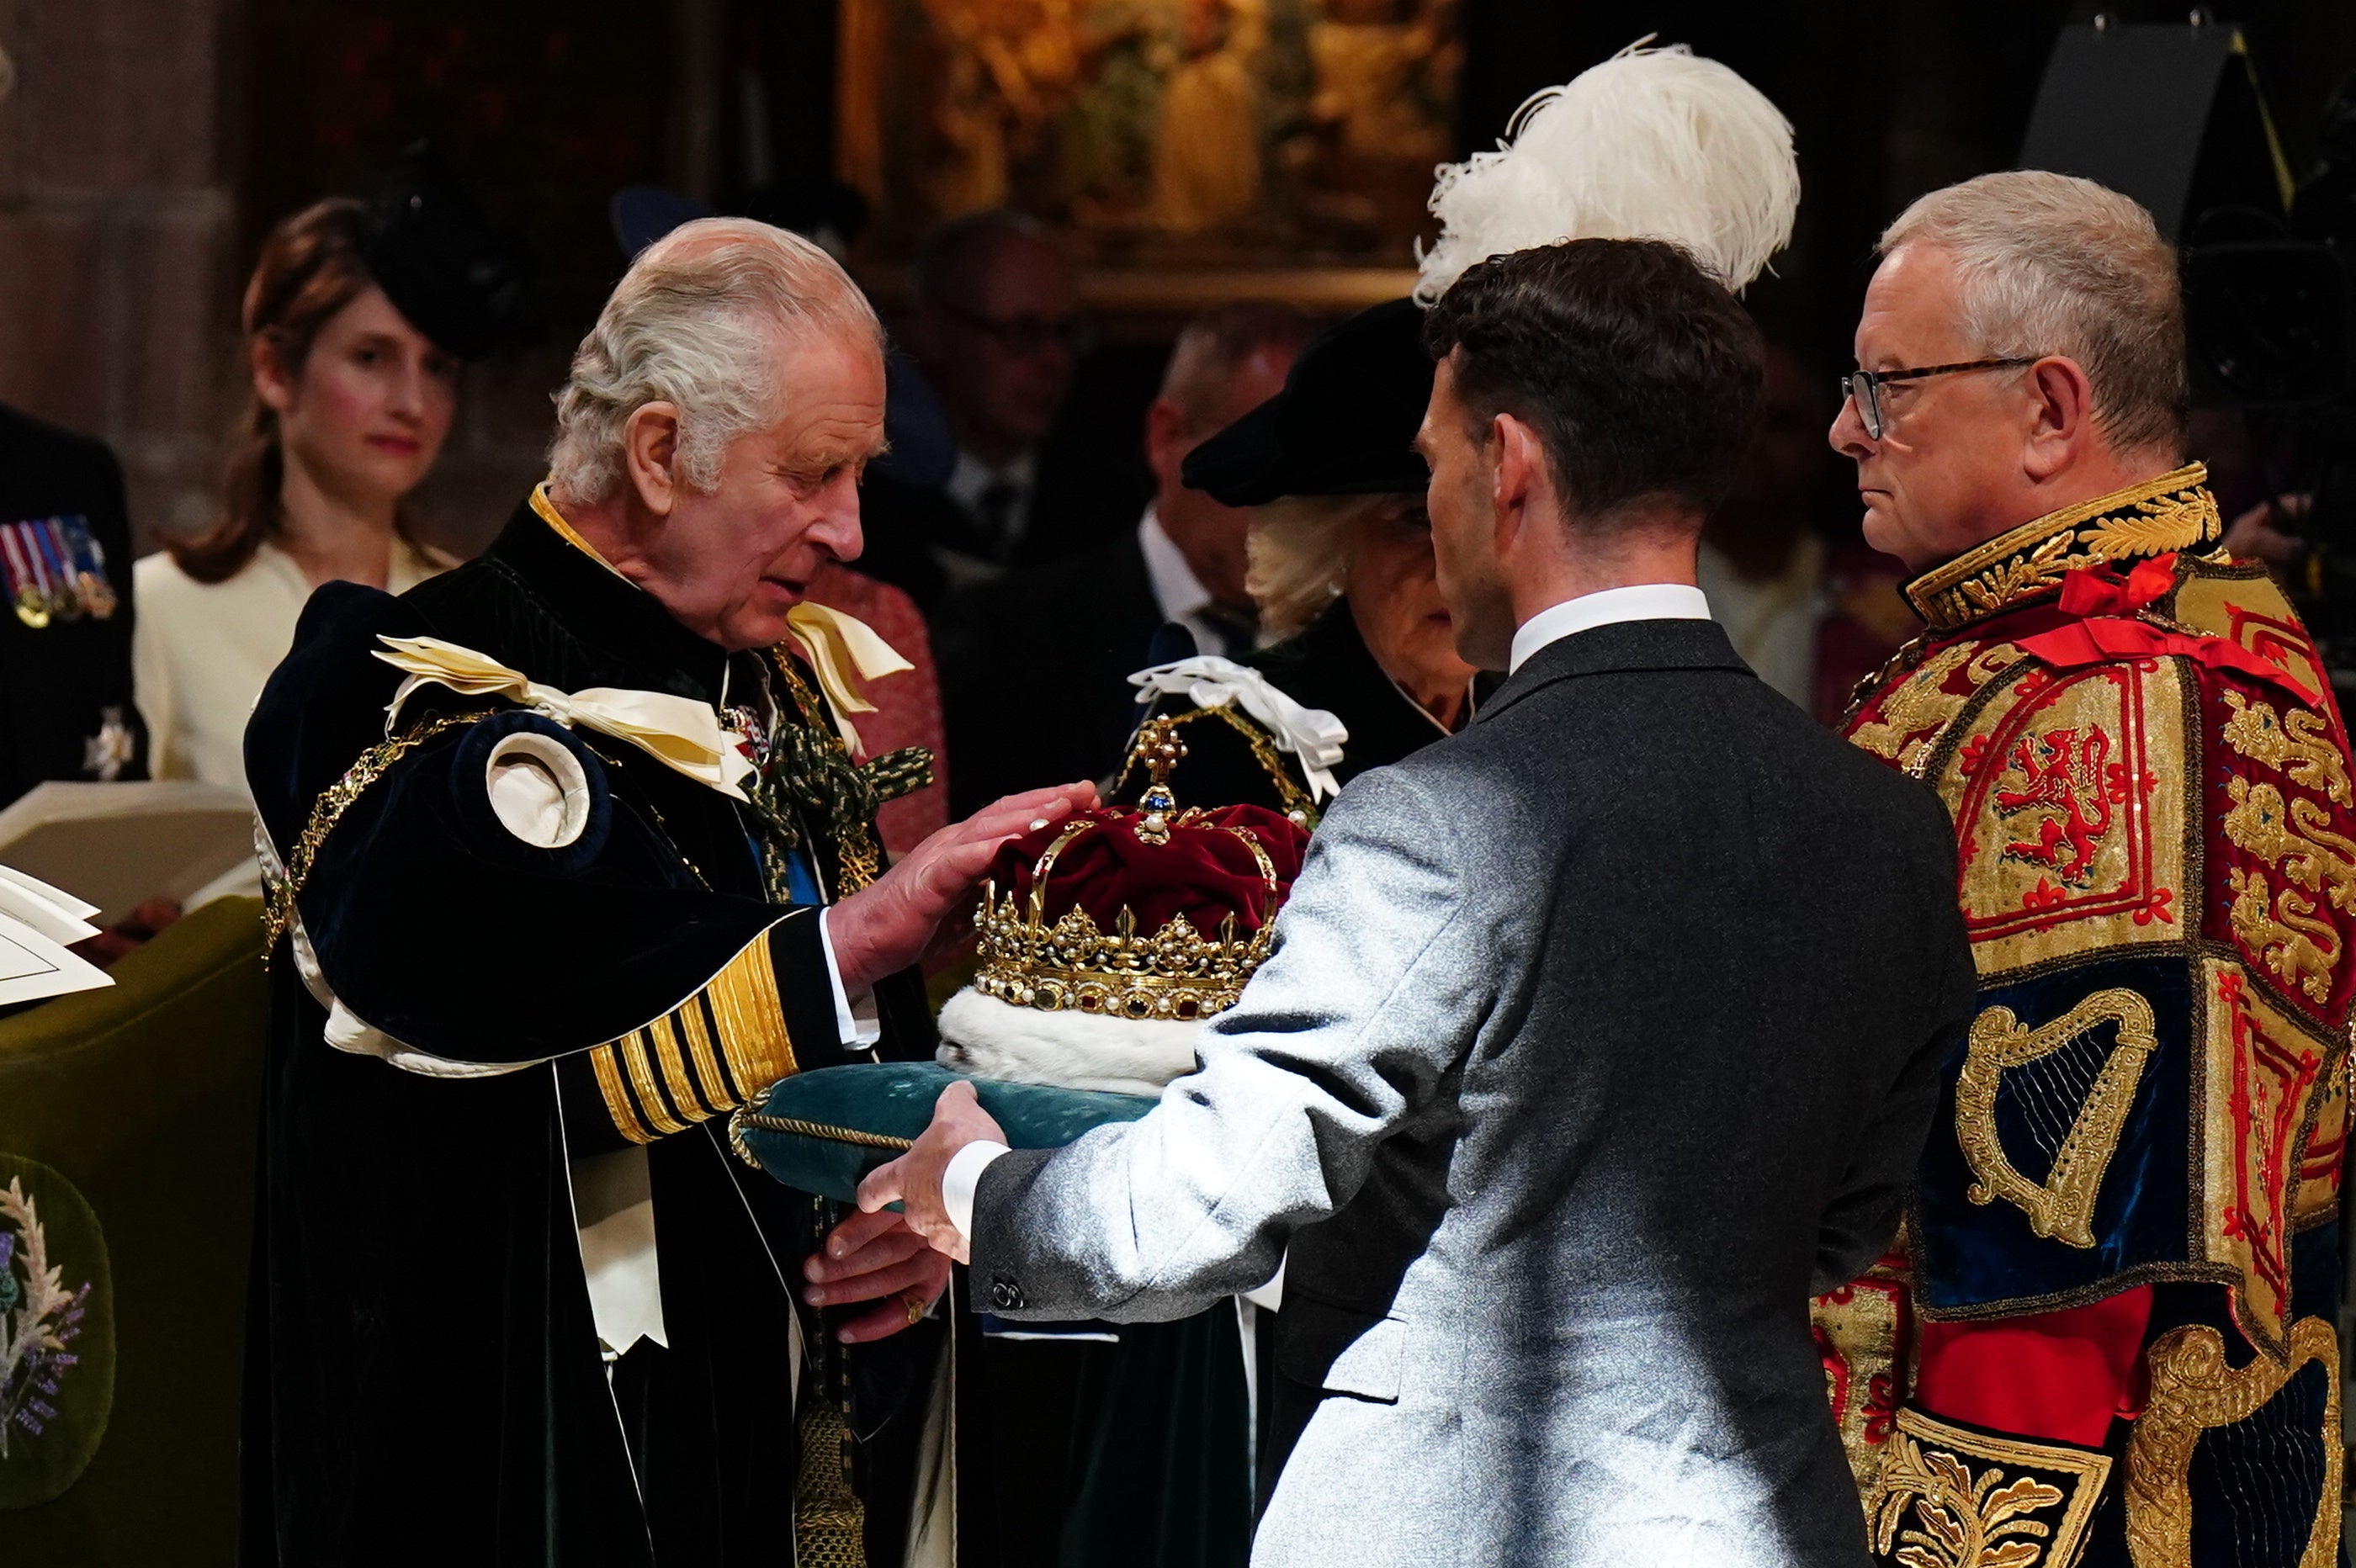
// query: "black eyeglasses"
[[1027, 335], [1864, 387]]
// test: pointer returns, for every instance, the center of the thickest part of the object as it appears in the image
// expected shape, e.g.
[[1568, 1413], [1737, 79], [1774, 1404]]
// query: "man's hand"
[[881, 929], [870, 1257], [2257, 533], [914, 1180]]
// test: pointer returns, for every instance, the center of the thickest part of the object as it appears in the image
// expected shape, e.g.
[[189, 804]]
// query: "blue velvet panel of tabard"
[[1979, 1255]]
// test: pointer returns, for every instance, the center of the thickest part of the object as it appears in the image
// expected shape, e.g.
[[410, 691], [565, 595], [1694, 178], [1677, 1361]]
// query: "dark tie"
[[1236, 632], [994, 508]]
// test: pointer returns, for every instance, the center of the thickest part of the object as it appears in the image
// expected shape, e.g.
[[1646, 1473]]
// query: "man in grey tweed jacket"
[[1598, 1037]]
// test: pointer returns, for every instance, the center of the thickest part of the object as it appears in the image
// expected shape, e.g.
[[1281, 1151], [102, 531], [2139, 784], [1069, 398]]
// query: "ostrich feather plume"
[[1651, 144]]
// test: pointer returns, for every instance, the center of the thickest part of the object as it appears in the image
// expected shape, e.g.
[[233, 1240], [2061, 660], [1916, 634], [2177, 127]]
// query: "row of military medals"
[[56, 571]]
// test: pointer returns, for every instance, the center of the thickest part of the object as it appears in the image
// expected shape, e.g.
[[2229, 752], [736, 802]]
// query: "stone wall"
[[116, 223]]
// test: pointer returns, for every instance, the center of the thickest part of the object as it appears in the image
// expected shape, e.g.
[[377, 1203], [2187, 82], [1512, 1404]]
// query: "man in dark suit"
[[64, 630], [1063, 638], [1596, 1037], [997, 332]]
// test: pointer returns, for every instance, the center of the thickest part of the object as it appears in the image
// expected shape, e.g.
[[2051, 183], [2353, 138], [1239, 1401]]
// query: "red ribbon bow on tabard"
[[2110, 631]]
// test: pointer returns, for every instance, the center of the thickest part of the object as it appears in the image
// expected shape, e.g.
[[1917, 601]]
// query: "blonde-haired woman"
[[1366, 670]]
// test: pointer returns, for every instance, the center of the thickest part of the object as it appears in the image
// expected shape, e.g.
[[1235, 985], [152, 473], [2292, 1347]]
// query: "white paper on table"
[[47, 911], [33, 968], [79, 909]]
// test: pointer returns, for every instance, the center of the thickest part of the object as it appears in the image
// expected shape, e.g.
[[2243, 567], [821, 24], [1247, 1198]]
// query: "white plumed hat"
[[1651, 144]]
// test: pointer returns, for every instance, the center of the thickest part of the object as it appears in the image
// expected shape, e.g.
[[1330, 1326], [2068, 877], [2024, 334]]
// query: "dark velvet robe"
[[425, 1382]]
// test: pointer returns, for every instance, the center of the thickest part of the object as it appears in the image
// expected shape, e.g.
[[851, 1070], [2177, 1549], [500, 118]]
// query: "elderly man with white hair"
[[2112, 1337], [570, 853]]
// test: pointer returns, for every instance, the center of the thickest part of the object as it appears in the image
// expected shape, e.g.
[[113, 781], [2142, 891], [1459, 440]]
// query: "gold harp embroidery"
[[2301, 950], [2192, 1390], [2298, 743], [1961, 1519], [2063, 1206]]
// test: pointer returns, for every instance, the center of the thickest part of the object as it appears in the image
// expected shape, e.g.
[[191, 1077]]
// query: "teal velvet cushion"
[[821, 1131]]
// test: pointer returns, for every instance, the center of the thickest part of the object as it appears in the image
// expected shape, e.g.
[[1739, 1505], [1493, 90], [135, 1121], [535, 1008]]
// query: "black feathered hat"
[[437, 257], [1343, 425]]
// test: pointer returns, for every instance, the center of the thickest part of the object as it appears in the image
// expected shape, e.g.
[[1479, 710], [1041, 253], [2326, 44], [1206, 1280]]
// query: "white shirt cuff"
[[1269, 1297], [962, 1177], [855, 1019]]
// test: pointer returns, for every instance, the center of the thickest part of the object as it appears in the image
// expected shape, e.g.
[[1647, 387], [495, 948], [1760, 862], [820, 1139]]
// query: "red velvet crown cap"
[[1206, 871]]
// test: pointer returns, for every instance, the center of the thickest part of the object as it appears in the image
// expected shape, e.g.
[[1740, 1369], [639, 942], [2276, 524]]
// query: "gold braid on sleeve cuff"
[[702, 1059]]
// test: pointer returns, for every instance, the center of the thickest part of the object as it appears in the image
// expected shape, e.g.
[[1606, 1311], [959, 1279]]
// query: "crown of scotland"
[[1095, 956]]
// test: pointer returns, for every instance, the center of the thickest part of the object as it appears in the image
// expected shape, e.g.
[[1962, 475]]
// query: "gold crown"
[[1175, 973]]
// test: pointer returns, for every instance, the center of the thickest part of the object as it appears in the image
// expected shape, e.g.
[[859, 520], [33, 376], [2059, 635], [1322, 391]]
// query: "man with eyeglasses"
[[998, 331], [2109, 1332]]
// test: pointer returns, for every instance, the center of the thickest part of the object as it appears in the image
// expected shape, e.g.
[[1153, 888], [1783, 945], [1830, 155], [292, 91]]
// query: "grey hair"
[[1298, 551], [696, 323], [2048, 263], [1213, 346]]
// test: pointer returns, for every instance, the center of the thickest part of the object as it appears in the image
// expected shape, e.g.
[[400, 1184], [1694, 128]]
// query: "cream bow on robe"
[[677, 732], [837, 645]]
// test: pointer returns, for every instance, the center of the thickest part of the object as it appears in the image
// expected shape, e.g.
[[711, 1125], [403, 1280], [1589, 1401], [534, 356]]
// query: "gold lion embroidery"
[[2298, 743], [2296, 835], [1923, 703], [2193, 1389], [2063, 1206], [2301, 950], [1937, 1513]]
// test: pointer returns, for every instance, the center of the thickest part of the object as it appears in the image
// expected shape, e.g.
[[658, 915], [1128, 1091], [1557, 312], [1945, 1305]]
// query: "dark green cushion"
[[147, 1096], [822, 1132]]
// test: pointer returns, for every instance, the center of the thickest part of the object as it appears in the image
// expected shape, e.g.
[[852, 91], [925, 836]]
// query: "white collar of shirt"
[[1640, 602], [971, 477], [1176, 589]]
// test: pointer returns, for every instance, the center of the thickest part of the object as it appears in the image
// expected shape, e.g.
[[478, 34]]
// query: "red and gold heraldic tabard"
[[2120, 1274]]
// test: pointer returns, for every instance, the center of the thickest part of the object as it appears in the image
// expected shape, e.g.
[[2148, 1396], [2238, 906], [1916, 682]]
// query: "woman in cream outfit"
[[350, 404]]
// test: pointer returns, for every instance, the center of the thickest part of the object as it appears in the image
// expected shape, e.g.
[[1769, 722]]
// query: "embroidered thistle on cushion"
[[2173, 512], [2062, 1205], [1951, 1497], [2286, 1413]]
